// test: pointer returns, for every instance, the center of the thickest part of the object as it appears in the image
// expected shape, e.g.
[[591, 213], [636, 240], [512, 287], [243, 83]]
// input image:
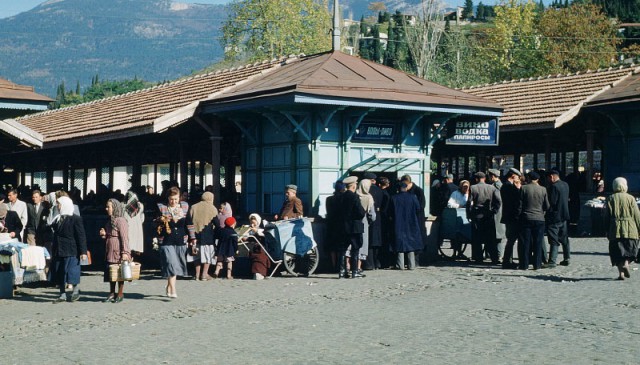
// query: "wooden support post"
[[589, 168], [547, 152]]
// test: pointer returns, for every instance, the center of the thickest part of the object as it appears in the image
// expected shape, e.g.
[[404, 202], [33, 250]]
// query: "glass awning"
[[387, 162]]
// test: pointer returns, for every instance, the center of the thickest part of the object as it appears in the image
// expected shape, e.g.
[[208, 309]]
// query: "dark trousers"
[[354, 240], [557, 235], [530, 245], [483, 232], [512, 233]]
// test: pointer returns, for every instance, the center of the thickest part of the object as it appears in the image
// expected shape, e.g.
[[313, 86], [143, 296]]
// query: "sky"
[[12, 7]]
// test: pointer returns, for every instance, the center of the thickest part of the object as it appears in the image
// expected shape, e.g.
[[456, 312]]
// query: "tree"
[[578, 38], [423, 35], [512, 46], [377, 7], [377, 45], [480, 11], [467, 11], [257, 29]]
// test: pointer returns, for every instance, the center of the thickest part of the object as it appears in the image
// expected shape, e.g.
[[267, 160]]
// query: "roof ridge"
[[167, 84], [559, 75]]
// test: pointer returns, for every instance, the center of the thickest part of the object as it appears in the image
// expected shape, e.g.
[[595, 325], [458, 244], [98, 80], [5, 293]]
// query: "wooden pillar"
[[192, 173], [216, 141], [98, 173], [183, 168], [65, 177], [517, 161], [576, 160], [466, 167], [547, 152], [136, 174], [535, 160], [589, 168], [563, 162], [201, 172], [85, 182], [111, 178], [50, 178], [481, 161]]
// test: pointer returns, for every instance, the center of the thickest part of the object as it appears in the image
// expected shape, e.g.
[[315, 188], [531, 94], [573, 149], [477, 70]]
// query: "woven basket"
[[116, 274]]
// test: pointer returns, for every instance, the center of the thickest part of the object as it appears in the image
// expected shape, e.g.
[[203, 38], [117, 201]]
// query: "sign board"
[[472, 133], [375, 132]]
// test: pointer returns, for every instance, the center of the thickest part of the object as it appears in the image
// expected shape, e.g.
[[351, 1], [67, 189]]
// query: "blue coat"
[[405, 210]]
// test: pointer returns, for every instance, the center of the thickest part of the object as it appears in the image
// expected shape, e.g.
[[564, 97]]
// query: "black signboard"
[[378, 132]]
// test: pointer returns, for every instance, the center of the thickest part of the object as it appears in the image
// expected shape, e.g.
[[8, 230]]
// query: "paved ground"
[[445, 314]]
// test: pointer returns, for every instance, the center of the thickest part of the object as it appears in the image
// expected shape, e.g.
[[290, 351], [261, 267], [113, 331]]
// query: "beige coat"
[[623, 216]]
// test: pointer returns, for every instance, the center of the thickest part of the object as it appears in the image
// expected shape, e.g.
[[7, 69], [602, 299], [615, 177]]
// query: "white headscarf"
[[53, 211], [66, 205], [619, 185]]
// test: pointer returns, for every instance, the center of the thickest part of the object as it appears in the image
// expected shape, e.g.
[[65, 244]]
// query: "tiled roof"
[[11, 91], [628, 90], [551, 100], [338, 75], [147, 110]]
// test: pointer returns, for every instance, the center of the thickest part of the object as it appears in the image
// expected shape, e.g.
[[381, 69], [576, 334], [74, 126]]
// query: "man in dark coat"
[[531, 210], [447, 187], [557, 217], [510, 195], [387, 227], [483, 204], [352, 213], [335, 229], [292, 205], [419, 193], [375, 227], [404, 212]]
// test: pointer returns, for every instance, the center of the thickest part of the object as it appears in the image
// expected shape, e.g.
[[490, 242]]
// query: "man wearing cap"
[[292, 206], [531, 210], [483, 204], [352, 213], [494, 178], [375, 227], [446, 189], [510, 195], [557, 217]]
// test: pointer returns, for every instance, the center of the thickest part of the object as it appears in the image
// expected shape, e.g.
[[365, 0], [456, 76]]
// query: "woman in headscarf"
[[116, 236], [260, 262], [225, 212], [203, 216], [134, 214], [176, 230], [69, 247], [624, 225], [459, 197], [367, 202]]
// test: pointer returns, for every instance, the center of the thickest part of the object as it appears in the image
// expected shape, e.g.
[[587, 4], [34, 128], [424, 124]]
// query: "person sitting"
[[260, 262]]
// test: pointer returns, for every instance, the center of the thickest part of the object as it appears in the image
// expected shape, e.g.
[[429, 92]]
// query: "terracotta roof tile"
[[9, 90], [136, 109], [551, 99], [626, 90]]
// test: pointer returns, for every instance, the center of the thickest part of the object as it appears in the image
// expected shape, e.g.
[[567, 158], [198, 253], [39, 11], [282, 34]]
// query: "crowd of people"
[[523, 208], [371, 223]]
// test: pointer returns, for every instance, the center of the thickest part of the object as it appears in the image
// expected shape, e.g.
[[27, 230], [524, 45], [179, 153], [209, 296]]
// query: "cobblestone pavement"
[[451, 313]]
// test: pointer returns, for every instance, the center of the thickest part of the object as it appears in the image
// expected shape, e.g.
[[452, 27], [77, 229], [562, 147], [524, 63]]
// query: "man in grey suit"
[[557, 217], [36, 218], [531, 209], [483, 204]]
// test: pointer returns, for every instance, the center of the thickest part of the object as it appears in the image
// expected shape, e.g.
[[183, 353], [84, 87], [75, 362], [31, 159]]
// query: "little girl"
[[227, 247]]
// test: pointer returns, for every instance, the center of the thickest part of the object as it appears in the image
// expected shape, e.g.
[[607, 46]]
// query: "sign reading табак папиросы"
[[483, 133]]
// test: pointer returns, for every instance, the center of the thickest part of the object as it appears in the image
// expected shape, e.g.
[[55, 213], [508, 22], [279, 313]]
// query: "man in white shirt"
[[19, 207]]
